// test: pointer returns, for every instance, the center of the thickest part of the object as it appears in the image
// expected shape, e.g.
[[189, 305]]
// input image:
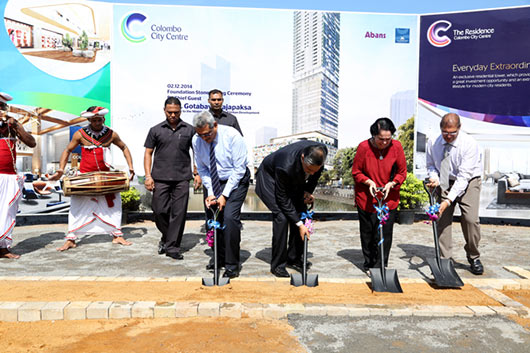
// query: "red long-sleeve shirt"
[[367, 165]]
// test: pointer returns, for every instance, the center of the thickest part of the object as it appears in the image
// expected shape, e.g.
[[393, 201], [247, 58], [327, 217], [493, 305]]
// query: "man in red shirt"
[[379, 162]]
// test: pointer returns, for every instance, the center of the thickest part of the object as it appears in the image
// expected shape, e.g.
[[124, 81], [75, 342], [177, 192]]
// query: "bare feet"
[[6, 254], [121, 241], [67, 245]]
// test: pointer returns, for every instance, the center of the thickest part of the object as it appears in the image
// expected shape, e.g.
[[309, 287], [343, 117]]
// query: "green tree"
[[406, 137], [67, 41], [342, 165], [326, 177], [83, 41]]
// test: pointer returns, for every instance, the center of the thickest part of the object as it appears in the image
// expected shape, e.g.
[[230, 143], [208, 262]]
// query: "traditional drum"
[[96, 183]]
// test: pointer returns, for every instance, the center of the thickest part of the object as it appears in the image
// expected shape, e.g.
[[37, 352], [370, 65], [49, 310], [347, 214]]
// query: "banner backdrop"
[[33, 30], [477, 64], [267, 63]]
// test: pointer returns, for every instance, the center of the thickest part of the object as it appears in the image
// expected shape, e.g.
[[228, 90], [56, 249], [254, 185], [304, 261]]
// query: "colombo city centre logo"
[[127, 24], [433, 33]]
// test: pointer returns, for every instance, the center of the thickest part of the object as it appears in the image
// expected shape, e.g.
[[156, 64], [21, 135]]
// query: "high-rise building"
[[265, 134], [216, 77], [316, 49], [402, 107]]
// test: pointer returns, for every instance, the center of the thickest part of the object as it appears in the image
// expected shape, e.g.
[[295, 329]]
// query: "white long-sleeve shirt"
[[465, 163]]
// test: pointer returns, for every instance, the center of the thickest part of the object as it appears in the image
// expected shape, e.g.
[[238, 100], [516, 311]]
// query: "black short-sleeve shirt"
[[171, 161], [225, 118]]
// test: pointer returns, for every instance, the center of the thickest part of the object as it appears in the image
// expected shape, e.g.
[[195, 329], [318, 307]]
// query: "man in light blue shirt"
[[221, 159]]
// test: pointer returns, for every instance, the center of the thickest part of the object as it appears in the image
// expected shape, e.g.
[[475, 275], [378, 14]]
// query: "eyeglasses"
[[447, 133], [207, 134]]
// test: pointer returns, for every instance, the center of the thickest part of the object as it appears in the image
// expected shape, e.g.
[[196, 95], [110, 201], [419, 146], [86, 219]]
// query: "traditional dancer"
[[94, 214], [10, 183]]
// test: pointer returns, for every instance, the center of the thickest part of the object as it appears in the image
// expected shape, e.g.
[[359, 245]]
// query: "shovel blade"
[[223, 281], [208, 282], [312, 280], [445, 275], [388, 284], [297, 280]]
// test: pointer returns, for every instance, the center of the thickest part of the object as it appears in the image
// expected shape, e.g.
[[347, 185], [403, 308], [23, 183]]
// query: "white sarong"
[[10, 194], [92, 215]]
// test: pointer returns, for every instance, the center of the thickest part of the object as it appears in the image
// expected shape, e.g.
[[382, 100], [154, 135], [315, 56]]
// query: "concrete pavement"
[[334, 250]]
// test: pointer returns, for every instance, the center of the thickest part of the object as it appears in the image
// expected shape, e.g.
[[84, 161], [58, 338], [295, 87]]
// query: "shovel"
[[215, 281], [303, 279], [443, 270], [383, 280]]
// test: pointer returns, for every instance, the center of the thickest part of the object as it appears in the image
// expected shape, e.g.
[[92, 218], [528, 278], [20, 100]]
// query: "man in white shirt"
[[221, 159], [454, 164]]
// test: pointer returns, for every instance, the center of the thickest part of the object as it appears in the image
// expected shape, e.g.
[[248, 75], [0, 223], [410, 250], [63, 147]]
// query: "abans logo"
[[433, 33], [127, 27]]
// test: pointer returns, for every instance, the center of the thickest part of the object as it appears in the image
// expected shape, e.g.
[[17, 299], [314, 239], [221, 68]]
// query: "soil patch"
[[521, 321], [243, 292], [522, 296], [62, 56], [149, 335]]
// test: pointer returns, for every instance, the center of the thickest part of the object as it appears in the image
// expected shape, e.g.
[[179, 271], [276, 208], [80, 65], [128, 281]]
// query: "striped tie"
[[216, 185]]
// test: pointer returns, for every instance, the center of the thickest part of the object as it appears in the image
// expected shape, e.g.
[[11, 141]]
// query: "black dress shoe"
[[231, 274], [476, 267], [299, 266], [210, 266], [161, 248], [280, 272], [175, 255]]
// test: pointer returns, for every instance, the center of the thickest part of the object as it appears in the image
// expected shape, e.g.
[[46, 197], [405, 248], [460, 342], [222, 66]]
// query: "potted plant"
[[130, 201], [412, 197]]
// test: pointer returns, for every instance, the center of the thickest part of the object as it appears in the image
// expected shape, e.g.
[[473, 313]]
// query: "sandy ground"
[[523, 297], [242, 292], [150, 335]]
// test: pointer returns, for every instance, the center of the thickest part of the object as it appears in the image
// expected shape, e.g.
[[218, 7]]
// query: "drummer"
[[94, 214], [10, 182]]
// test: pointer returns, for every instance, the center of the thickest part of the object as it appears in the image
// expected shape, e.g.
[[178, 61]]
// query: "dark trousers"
[[229, 238], [284, 249], [170, 203], [368, 225]]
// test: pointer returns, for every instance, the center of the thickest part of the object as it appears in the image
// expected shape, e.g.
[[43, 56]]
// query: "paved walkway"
[[334, 250]]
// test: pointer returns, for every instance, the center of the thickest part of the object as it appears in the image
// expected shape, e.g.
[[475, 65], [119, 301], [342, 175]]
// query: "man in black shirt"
[[168, 176], [215, 98]]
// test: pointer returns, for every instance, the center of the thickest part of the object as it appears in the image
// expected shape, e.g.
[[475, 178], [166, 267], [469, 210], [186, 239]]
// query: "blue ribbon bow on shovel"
[[382, 215], [308, 215]]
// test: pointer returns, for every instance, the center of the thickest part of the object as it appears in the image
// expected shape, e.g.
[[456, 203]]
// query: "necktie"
[[444, 167], [216, 185]]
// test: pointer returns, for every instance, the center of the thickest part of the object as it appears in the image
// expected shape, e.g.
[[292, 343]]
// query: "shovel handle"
[[430, 191], [379, 199]]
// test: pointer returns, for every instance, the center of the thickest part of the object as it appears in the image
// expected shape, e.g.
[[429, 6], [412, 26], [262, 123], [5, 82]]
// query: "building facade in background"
[[316, 54], [403, 107]]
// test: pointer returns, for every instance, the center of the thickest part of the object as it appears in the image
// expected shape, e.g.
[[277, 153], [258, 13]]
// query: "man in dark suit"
[[284, 182]]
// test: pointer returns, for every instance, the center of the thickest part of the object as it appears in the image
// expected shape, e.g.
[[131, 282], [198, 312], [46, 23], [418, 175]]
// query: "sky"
[[386, 6]]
